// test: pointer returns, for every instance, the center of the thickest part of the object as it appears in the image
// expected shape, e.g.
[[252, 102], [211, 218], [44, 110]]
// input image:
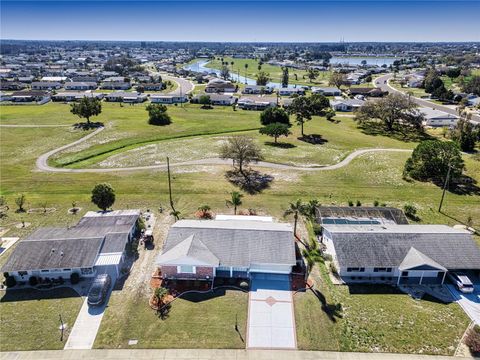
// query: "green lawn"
[[197, 321], [274, 71], [30, 318], [375, 319]]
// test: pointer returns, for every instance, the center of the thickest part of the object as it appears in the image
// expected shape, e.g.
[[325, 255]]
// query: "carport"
[[271, 322], [109, 263]]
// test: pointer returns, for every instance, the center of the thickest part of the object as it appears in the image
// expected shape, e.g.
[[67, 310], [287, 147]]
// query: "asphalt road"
[[382, 83]]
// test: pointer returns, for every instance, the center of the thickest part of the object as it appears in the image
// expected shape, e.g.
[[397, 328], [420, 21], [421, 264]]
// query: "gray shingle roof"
[[191, 248], [388, 247], [237, 243], [415, 258], [39, 254]]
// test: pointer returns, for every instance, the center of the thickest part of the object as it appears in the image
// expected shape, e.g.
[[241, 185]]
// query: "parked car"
[[461, 281], [99, 290]]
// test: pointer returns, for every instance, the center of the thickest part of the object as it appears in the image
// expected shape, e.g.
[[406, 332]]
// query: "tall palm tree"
[[246, 67], [175, 214], [235, 200], [296, 208]]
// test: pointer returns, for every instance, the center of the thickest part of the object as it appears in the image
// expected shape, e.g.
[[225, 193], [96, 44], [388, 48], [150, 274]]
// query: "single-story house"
[[151, 86], [291, 91], [115, 85], [220, 86], [95, 245], [12, 85], [29, 96], [119, 79], [126, 97], [168, 99], [75, 96], [438, 118], [399, 254], [256, 102], [234, 247], [217, 99], [257, 89], [83, 85], [327, 91], [45, 85], [346, 104], [365, 91], [54, 78]]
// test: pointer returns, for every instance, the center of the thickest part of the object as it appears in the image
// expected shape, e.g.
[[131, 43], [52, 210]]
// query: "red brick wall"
[[201, 273]]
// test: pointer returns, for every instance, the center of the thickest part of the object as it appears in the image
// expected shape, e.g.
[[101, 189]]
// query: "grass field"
[[375, 319], [196, 321], [30, 318], [274, 71]]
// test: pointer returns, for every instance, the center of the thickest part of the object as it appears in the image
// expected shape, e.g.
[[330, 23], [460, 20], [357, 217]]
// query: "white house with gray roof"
[[95, 245], [399, 254], [231, 247]]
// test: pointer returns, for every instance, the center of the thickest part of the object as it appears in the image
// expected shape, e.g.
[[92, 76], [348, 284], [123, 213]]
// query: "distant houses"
[[220, 86], [168, 99], [126, 97], [438, 118]]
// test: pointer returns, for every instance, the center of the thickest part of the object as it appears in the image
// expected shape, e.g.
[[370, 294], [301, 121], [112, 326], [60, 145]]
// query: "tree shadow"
[[333, 311], [314, 139], [280, 145], [399, 132], [251, 181], [87, 126]]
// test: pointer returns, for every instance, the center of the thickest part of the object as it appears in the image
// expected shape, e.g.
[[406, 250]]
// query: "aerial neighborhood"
[[210, 197]]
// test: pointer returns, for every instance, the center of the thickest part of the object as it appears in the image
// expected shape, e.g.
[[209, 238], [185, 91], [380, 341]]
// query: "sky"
[[238, 20]]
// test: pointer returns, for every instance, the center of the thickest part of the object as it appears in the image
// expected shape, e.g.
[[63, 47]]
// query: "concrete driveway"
[[470, 303], [84, 331], [271, 321]]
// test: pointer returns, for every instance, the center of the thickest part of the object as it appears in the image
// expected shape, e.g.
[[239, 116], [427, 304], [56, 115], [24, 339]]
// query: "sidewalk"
[[204, 354]]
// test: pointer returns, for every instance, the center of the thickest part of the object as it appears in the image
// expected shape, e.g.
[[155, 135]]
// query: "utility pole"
[[444, 188], [170, 185]]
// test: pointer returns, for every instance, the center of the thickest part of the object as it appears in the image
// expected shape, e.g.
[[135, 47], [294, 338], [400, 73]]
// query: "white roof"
[[233, 224], [112, 213], [244, 217], [436, 114]]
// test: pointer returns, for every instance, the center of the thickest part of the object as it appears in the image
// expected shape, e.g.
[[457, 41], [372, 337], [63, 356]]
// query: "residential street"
[[382, 83], [206, 354]]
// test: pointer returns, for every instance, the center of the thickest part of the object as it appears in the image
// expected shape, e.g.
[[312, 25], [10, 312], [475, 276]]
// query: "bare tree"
[[242, 150]]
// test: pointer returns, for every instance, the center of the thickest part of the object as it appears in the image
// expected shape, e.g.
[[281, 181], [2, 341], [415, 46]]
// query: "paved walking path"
[[42, 161], [209, 354]]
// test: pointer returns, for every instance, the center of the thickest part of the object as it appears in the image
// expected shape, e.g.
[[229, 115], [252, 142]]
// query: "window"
[[67, 269], [86, 271], [45, 271], [404, 273], [352, 269], [186, 269], [382, 269], [23, 273]]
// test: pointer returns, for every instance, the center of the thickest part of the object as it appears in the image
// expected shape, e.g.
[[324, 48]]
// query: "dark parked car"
[[99, 290]]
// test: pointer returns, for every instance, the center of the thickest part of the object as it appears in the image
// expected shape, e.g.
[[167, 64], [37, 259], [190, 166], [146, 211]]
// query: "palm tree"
[[246, 67], [175, 214], [204, 212], [296, 208], [310, 208], [235, 200]]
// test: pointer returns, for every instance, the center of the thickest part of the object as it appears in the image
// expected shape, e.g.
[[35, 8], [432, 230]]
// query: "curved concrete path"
[[42, 161]]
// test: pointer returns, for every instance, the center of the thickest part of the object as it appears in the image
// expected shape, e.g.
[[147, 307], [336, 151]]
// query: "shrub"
[[157, 114], [317, 229], [473, 340], [359, 203], [74, 278], [350, 203], [244, 285], [410, 210], [10, 281], [33, 281], [376, 203]]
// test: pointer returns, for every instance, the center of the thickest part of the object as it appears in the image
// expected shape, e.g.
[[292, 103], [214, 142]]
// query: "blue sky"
[[289, 21]]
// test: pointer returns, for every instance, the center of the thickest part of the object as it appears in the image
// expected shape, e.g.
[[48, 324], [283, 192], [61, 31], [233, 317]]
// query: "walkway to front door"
[[271, 321]]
